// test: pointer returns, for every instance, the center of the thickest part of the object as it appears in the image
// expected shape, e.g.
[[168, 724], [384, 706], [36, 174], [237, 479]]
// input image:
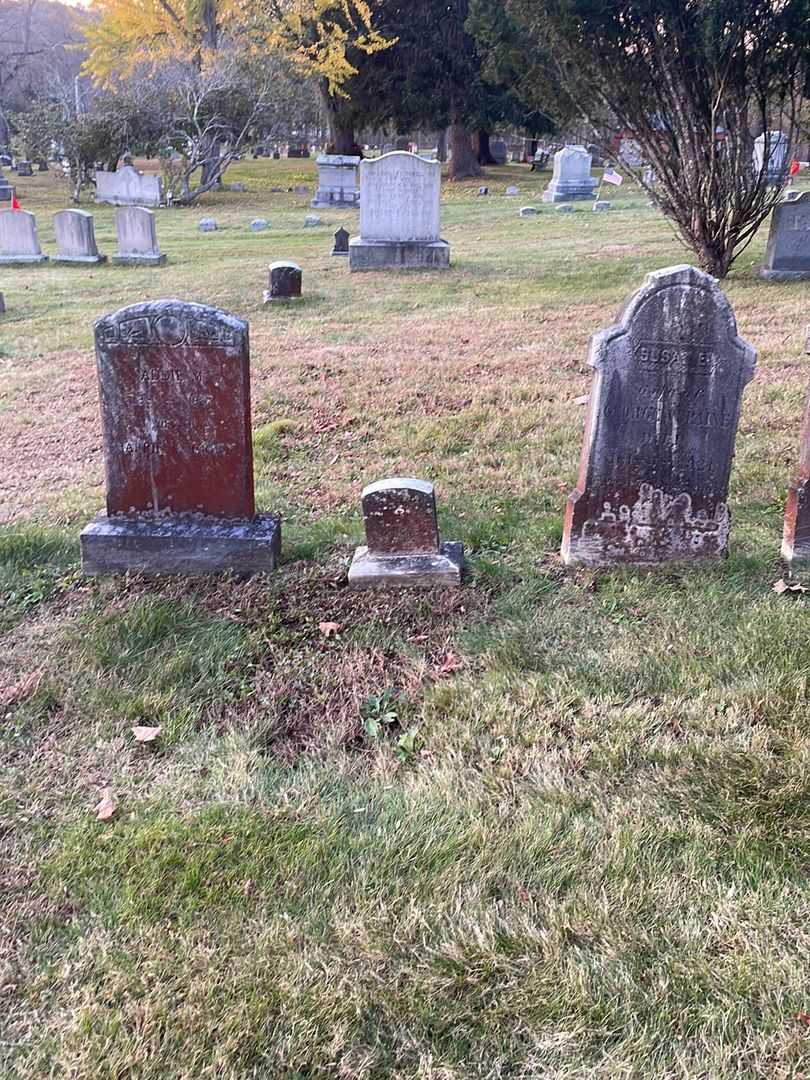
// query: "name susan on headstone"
[[787, 255], [661, 427], [174, 383]]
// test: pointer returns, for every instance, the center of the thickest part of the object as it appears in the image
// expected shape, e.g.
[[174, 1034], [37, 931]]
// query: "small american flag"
[[610, 176]]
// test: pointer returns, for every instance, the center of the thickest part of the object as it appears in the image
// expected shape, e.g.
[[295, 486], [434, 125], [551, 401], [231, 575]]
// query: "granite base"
[[187, 545], [407, 571], [398, 254], [80, 260], [22, 260], [139, 260], [767, 274]]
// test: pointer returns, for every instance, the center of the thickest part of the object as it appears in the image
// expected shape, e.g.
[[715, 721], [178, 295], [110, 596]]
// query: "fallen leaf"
[[328, 629], [145, 734], [794, 587], [107, 806], [804, 1017], [450, 664], [19, 691], [582, 400]]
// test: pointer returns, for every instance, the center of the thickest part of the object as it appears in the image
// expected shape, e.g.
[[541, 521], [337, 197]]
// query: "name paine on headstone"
[[402, 539], [796, 532], [174, 382], [661, 427]]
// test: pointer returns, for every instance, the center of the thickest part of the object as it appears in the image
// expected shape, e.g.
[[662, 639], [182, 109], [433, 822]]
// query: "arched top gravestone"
[[400, 198], [175, 407], [787, 256], [661, 427]]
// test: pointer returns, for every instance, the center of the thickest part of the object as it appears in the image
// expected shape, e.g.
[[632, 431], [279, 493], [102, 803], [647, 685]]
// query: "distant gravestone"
[[285, 282], [128, 187], [571, 178], [301, 189], [259, 225], [7, 191], [796, 532], [137, 237], [499, 151], [76, 238], [630, 153], [661, 428], [341, 246], [770, 156], [564, 208], [402, 142], [19, 240], [402, 539], [400, 215], [311, 221], [601, 205], [24, 168], [337, 181], [528, 211], [207, 224], [787, 255], [174, 382], [483, 190], [512, 190]]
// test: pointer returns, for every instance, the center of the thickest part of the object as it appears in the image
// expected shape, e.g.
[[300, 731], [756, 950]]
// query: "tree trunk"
[[341, 126], [463, 162], [212, 165], [441, 145], [483, 152]]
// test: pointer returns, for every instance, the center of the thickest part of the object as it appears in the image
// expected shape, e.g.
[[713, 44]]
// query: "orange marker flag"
[[15, 203]]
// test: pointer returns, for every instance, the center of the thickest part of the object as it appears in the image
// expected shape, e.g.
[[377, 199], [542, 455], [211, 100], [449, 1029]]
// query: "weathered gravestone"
[[7, 191], [402, 539], [796, 532], [19, 241], [787, 255], [400, 215], [337, 181], [571, 178], [24, 168], [661, 427], [137, 237], [76, 238], [770, 156], [498, 150], [174, 382], [259, 224], [341, 246], [128, 187], [207, 224], [285, 282]]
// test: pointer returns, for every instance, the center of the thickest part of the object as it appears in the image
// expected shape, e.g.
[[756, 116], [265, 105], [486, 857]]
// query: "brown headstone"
[[796, 533], [661, 428], [402, 538], [175, 408]]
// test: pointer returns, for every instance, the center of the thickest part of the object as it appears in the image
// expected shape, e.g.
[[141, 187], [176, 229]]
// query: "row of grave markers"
[[174, 383], [76, 239]]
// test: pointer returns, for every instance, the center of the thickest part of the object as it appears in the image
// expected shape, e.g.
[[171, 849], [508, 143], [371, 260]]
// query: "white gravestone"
[[337, 182], [571, 178], [137, 237], [771, 147], [400, 214], [75, 237], [19, 242], [128, 187]]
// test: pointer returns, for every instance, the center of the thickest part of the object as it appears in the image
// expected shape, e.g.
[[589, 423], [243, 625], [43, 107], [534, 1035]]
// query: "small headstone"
[[24, 168], [512, 190], [259, 224], [207, 224], [137, 237], [311, 221], [571, 178], [237, 187], [483, 191], [341, 242], [19, 241], [796, 532], [301, 189], [128, 187], [402, 539], [601, 205], [7, 191], [402, 142], [76, 238], [174, 382], [564, 208], [337, 181], [276, 155], [498, 150], [661, 427], [285, 282], [528, 211], [787, 255], [770, 156]]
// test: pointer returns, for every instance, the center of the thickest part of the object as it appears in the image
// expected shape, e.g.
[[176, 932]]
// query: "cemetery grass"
[[554, 824]]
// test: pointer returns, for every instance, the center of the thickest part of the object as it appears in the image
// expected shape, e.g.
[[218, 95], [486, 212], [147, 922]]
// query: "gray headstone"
[[483, 190], [571, 178], [601, 205], [285, 282], [174, 382], [512, 190], [259, 224], [661, 427], [402, 539], [237, 187], [137, 237], [787, 255], [337, 181], [301, 189], [19, 241], [311, 221], [24, 168], [76, 238], [770, 156], [564, 208], [341, 246], [498, 150], [796, 532], [528, 211], [207, 224], [128, 187]]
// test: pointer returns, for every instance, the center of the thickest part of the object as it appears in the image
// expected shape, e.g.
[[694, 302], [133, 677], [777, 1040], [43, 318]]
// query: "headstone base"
[[268, 299], [82, 260], [407, 571], [329, 200], [568, 193], [139, 260], [22, 260], [398, 254], [782, 275], [187, 545]]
